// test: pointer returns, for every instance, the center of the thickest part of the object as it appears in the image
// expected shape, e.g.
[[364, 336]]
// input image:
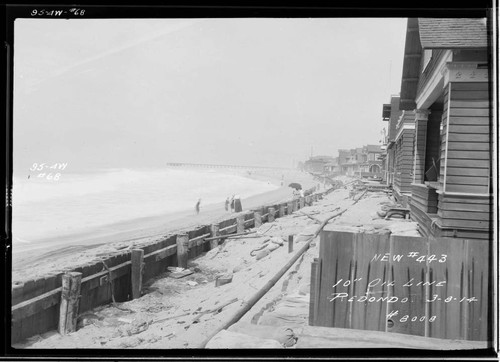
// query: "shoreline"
[[57, 253]]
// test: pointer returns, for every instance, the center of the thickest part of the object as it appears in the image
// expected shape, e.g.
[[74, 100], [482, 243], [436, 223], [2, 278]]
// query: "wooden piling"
[[137, 258], [257, 218], [70, 300], [271, 214], [214, 231], [289, 208], [301, 202], [282, 210], [182, 250], [290, 243], [240, 223], [295, 205]]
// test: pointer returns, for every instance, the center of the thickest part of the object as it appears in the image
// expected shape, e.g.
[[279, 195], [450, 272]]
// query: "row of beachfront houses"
[[362, 162], [438, 151], [437, 155]]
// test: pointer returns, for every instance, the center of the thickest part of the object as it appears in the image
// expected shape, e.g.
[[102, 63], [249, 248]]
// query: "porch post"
[[421, 117]]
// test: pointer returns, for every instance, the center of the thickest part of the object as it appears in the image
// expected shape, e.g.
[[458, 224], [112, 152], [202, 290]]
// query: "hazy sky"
[[143, 92]]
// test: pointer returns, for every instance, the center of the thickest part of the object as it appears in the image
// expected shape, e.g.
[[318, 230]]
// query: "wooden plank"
[[465, 224], [469, 86], [314, 286], [35, 305], [466, 234], [17, 293], [408, 276], [448, 271], [477, 310], [470, 104], [162, 253], [198, 240], [475, 121], [467, 180], [467, 188], [479, 172], [460, 137], [465, 163], [465, 215], [470, 129], [469, 112], [27, 327], [455, 206], [471, 155], [332, 338], [470, 95], [336, 257], [468, 146], [369, 276], [468, 199]]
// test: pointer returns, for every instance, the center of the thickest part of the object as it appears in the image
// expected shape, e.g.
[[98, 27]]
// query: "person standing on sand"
[[237, 204], [226, 205], [197, 207], [232, 203]]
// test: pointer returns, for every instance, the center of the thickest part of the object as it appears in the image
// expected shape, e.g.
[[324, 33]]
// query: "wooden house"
[[390, 114], [316, 164], [403, 157], [445, 82]]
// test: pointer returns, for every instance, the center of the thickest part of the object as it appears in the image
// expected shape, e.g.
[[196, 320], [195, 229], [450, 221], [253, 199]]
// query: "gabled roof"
[[435, 33], [452, 33]]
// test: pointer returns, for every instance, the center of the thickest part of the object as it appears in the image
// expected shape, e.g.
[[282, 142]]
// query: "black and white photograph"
[[218, 181]]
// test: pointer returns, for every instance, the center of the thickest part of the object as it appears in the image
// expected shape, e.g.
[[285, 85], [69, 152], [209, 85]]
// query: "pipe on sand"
[[247, 305]]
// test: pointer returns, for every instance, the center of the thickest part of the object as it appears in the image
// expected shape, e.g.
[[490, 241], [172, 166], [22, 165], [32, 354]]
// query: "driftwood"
[[172, 317], [310, 216]]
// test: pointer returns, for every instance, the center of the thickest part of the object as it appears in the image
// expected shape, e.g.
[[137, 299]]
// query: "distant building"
[[363, 161], [332, 168], [316, 164]]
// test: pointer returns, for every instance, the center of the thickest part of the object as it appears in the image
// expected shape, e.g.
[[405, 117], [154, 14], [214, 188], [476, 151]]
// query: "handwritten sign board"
[[412, 285]]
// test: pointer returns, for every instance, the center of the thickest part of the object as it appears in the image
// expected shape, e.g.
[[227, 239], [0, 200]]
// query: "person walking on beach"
[[232, 203], [237, 204], [197, 207], [226, 205]]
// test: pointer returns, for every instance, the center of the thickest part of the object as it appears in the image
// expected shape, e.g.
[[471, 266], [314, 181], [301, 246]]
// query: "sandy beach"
[[54, 254], [183, 313]]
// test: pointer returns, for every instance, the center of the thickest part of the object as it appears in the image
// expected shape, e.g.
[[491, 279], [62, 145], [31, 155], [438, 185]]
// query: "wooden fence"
[[414, 285], [36, 303]]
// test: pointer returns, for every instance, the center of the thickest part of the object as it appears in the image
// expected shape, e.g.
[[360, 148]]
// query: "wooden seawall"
[[36, 304]]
